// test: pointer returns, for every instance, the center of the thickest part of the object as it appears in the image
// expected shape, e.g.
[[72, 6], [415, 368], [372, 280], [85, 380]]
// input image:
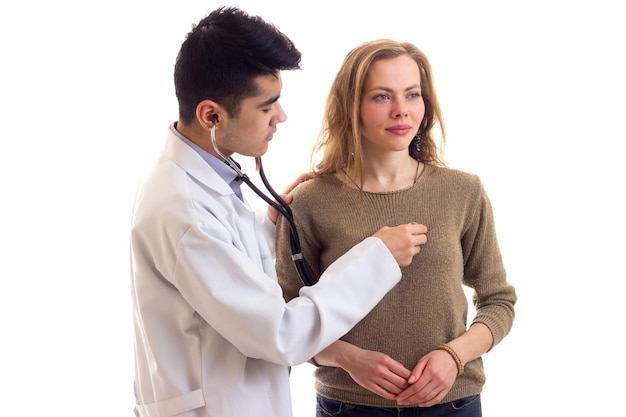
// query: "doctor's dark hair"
[[221, 57]]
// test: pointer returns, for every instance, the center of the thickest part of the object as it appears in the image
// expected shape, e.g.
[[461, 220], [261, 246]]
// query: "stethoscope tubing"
[[279, 204]]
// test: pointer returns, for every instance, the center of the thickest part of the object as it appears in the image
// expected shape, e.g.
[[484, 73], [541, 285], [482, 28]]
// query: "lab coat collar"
[[189, 160]]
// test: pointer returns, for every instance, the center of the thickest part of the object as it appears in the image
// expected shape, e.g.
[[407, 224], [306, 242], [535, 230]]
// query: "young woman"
[[380, 166]]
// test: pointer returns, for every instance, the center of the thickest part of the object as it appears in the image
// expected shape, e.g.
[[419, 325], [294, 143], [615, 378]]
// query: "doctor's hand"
[[404, 241], [286, 196]]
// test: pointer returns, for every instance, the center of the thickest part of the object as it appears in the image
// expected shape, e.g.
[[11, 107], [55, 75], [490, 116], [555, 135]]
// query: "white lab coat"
[[213, 335]]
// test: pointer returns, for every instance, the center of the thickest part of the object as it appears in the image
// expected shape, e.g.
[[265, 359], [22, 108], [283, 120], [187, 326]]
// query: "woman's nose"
[[400, 110]]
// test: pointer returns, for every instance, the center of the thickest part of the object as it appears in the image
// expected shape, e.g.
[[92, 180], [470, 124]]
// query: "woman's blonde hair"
[[339, 141]]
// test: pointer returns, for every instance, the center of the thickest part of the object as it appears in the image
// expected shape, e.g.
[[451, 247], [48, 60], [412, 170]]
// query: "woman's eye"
[[381, 97]]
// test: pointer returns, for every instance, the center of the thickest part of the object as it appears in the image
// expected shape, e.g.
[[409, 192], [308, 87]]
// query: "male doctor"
[[213, 334]]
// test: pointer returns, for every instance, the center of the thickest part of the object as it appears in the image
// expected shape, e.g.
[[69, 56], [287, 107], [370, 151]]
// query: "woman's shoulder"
[[313, 191], [317, 186], [452, 175]]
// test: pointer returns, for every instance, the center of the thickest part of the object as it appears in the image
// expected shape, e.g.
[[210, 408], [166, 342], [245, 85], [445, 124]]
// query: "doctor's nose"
[[280, 116]]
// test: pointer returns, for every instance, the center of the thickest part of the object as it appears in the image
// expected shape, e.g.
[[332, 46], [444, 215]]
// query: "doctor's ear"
[[208, 113]]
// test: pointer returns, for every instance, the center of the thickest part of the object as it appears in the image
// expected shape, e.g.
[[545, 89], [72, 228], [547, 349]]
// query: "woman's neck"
[[384, 176]]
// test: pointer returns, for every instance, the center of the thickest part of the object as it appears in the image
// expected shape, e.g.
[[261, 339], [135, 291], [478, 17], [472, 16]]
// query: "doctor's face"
[[250, 132]]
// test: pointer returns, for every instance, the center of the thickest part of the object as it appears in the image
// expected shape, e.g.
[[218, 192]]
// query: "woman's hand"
[[379, 373], [374, 371], [430, 380]]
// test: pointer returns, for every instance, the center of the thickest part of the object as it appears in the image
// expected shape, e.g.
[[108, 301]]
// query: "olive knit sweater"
[[428, 307]]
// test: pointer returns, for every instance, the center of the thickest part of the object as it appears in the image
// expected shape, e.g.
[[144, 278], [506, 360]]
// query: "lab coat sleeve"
[[266, 227], [246, 306]]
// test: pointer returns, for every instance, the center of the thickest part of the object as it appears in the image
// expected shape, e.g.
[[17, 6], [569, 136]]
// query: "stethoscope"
[[279, 204]]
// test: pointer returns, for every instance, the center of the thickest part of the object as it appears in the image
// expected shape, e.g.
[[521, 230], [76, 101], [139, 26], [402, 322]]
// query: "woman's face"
[[392, 106]]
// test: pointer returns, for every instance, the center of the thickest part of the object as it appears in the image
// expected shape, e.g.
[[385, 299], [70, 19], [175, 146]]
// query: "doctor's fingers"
[[301, 178], [418, 232], [419, 240], [416, 228]]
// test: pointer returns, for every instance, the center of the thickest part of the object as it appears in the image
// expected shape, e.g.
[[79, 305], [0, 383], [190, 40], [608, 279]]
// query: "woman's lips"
[[399, 130]]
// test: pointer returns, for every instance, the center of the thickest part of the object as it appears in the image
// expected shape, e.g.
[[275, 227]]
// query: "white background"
[[533, 99]]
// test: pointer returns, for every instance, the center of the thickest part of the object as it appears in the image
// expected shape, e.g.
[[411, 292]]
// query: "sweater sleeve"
[[494, 298], [286, 272]]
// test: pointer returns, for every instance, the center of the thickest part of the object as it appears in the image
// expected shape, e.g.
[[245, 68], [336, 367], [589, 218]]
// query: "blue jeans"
[[465, 407]]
